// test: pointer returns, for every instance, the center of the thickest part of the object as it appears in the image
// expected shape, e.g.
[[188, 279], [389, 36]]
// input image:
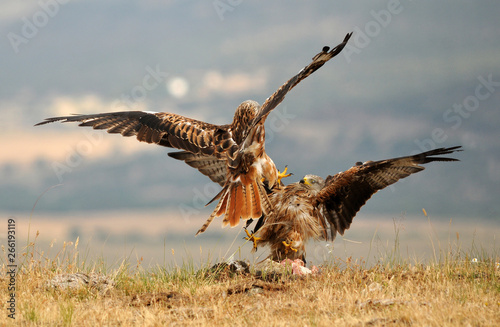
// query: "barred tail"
[[239, 201], [245, 201]]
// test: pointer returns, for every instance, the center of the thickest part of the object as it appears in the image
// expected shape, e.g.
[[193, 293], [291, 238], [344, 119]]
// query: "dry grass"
[[451, 291]]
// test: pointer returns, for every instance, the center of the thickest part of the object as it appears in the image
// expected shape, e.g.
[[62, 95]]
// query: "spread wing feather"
[[162, 128], [210, 166], [317, 61], [345, 193]]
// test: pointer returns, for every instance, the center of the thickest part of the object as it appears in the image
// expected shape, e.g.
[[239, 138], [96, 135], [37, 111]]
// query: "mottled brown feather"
[[321, 210]]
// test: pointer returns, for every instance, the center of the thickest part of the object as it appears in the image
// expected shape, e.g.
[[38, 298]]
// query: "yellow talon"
[[288, 246], [253, 238], [283, 174]]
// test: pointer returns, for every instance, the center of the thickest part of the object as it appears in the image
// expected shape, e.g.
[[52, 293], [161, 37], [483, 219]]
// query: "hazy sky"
[[415, 76]]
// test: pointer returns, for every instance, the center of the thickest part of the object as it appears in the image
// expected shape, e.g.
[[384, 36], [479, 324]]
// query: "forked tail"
[[239, 201]]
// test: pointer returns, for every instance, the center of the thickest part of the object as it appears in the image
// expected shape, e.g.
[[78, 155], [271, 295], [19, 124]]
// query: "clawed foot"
[[288, 247], [253, 238], [283, 174]]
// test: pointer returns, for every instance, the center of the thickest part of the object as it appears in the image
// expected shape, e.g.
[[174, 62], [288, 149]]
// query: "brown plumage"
[[236, 151], [318, 209]]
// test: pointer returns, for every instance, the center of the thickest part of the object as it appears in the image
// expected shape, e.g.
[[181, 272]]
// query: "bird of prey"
[[317, 208], [246, 168]]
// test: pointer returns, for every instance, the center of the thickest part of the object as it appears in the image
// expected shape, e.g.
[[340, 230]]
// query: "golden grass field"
[[457, 286]]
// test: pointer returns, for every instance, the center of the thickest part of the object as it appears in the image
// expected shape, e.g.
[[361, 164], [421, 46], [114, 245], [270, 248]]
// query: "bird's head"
[[246, 111], [243, 117], [313, 181]]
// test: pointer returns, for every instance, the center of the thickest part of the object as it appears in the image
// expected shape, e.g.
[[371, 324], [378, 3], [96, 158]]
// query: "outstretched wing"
[[317, 61], [346, 192], [161, 128], [211, 166]]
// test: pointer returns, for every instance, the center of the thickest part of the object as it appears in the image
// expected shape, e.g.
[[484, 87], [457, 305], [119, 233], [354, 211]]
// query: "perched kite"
[[246, 168], [318, 209]]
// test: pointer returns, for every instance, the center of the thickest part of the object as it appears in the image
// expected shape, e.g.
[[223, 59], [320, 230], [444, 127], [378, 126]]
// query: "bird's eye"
[[313, 181]]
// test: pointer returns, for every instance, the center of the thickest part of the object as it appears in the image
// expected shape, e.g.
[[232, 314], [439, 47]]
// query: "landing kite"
[[240, 145]]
